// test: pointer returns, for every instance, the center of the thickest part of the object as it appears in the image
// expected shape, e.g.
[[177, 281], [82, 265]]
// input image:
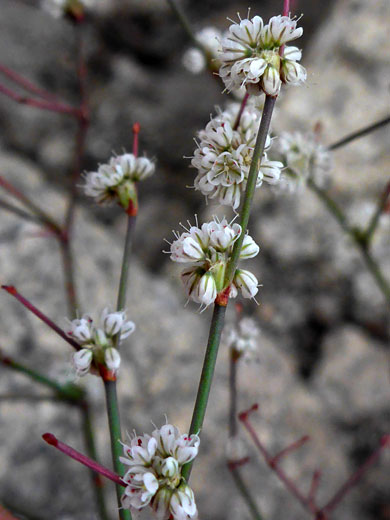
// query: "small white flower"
[[246, 282], [154, 476], [112, 359], [250, 55], [99, 342], [182, 504], [194, 59], [81, 330], [82, 360], [207, 250], [115, 181], [224, 156], [243, 336], [304, 157]]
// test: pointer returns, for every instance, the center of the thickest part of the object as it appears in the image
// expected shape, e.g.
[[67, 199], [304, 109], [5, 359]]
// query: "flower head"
[[251, 55], [242, 337], [116, 181], [207, 250], [305, 158], [194, 59], [154, 476], [224, 156], [98, 342]]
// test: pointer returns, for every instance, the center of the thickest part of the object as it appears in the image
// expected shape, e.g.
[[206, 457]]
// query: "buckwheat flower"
[[194, 59], [204, 277], [242, 337], [246, 282], [305, 158], [223, 156], [250, 55], [154, 475], [116, 181], [98, 342], [82, 360]]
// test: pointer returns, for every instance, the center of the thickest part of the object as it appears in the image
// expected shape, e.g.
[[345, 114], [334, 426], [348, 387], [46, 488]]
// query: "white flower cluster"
[[250, 55], [207, 251], [224, 156], [305, 158], [115, 181], [242, 337], [194, 59], [154, 476], [97, 343]]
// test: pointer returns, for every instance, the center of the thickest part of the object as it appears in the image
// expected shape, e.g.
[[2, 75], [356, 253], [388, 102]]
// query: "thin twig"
[[76, 455], [242, 108], [382, 202], [359, 133], [17, 211], [26, 84], [52, 106], [13, 292]]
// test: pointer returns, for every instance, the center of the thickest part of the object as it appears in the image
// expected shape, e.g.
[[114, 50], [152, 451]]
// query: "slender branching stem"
[[251, 186], [242, 108], [373, 224], [26, 84], [206, 377], [89, 439], [359, 133], [5, 205], [79, 457], [185, 23], [233, 430], [52, 106], [358, 238], [246, 495], [115, 437], [50, 323]]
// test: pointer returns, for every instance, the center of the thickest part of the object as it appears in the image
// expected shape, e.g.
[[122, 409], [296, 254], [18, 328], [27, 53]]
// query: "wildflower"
[[305, 158], [242, 337], [224, 156], [154, 475], [207, 250], [116, 181], [98, 342], [251, 57], [209, 39]]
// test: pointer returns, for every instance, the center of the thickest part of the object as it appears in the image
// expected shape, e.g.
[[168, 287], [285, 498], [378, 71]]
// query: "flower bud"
[[170, 467], [161, 501], [112, 358], [246, 282], [182, 503], [82, 360], [112, 322], [271, 81], [292, 72], [249, 248], [100, 338], [206, 290]]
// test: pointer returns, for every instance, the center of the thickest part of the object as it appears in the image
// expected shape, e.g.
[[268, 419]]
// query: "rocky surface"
[[321, 367]]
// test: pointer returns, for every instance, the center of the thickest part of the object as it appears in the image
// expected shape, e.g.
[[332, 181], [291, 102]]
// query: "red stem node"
[[243, 416], [233, 464]]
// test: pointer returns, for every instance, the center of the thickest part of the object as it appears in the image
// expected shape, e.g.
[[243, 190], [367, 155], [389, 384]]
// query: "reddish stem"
[[290, 485], [286, 12], [233, 464], [53, 106], [136, 131], [355, 477], [315, 481], [26, 84], [13, 291], [242, 107], [86, 461], [288, 449]]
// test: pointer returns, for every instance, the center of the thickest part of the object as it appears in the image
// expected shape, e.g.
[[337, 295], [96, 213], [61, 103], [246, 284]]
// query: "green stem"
[[244, 490], [185, 24], [121, 301], [372, 225], [206, 377], [360, 239], [89, 439], [115, 436], [69, 276], [233, 428], [251, 186], [360, 133]]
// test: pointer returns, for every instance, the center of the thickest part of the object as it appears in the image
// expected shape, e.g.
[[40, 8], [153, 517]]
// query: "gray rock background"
[[322, 363]]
